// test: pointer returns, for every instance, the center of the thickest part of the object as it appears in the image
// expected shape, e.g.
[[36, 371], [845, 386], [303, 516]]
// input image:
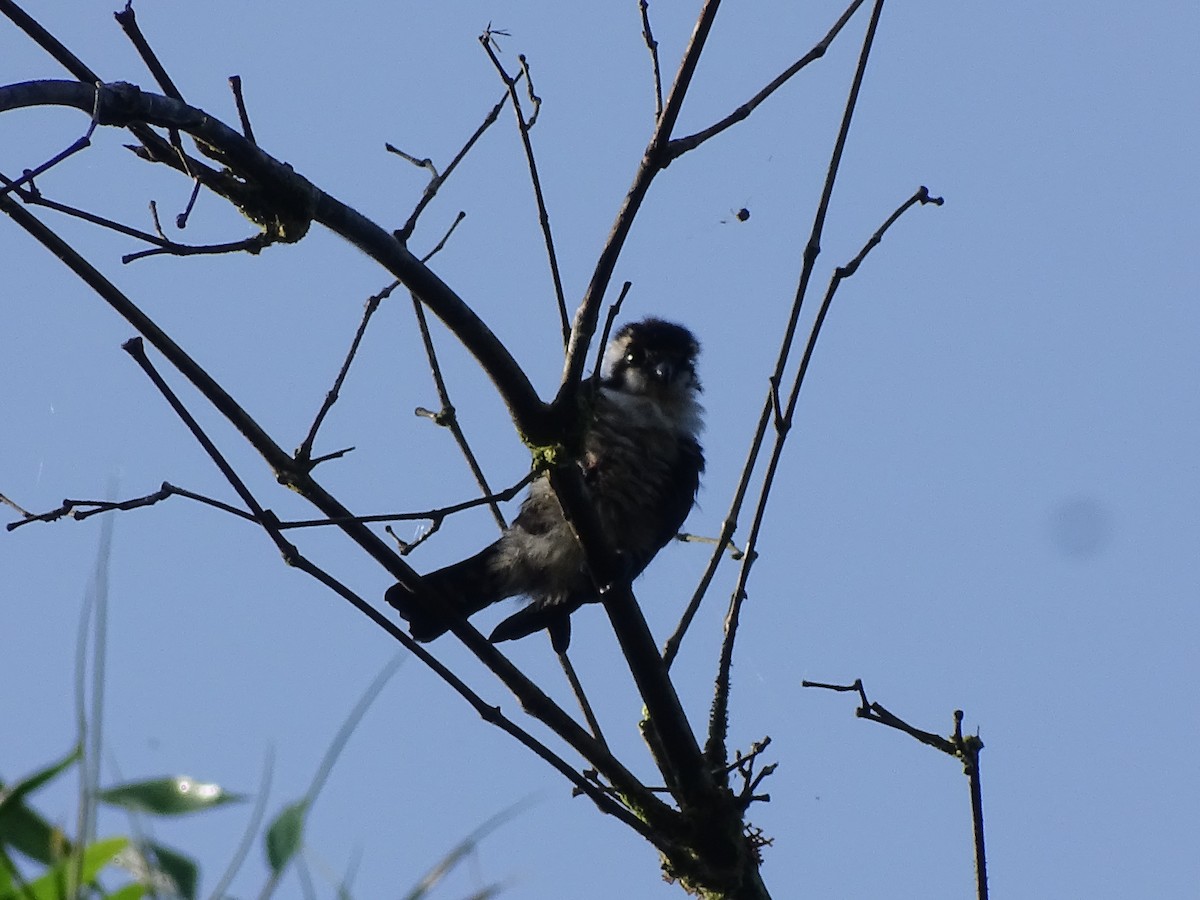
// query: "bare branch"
[[652, 46], [583, 327], [715, 748], [661, 819], [73, 508], [523, 127], [744, 765], [437, 248], [181, 220], [163, 245], [153, 147], [303, 453], [448, 418], [425, 163], [81, 143], [680, 761], [434, 515], [682, 145], [127, 19], [235, 85], [965, 749], [284, 202], [252, 245], [580, 696], [431, 189], [613, 312], [24, 512], [734, 552], [534, 100]]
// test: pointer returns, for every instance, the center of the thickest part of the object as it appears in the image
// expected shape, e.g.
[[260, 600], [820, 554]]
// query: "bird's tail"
[[464, 588]]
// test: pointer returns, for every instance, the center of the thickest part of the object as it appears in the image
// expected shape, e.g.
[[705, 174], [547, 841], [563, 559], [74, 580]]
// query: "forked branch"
[[965, 748]]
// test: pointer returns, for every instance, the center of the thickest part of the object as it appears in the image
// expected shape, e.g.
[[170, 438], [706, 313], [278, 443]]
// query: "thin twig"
[[730, 523], [252, 245], [447, 416], [523, 127], [31, 195], [580, 697], [744, 765], [965, 749], [437, 248], [76, 146], [534, 100], [583, 326], [127, 19], [286, 203], [679, 146], [292, 557], [660, 819], [734, 552], [153, 147], [652, 46], [181, 220], [433, 515], [715, 748], [7, 502], [405, 232], [304, 451], [73, 508], [613, 312], [422, 163], [235, 85]]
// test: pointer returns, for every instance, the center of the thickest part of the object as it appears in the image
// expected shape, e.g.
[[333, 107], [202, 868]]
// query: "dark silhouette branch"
[[127, 19], [162, 244], [585, 706], [715, 747], [523, 127], [533, 700], [437, 180], [284, 203], [74, 508], [610, 319], [583, 328], [679, 146], [966, 749], [680, 761], [720, 701], [303, 455], [235, 85], [447, 416], [294, 558], [812, 250], [652, 46]]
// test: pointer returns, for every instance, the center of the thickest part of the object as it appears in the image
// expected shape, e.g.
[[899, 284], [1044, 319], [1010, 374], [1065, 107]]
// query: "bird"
[[641, 462]]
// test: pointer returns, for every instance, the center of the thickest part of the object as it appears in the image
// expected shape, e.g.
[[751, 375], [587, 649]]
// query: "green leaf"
[[181, 869], [132, 891], [168, 796], [285, 835], [95, 858], [31, 783], [24, 829]]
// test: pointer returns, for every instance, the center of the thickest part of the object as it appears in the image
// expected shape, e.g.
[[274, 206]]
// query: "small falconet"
[[641, 462]]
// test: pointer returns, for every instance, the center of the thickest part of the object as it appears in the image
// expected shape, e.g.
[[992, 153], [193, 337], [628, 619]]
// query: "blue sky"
[[989, 500]]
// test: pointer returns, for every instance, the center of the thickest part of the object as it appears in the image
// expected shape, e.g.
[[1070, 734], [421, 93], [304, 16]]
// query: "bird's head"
[[652, 358]]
